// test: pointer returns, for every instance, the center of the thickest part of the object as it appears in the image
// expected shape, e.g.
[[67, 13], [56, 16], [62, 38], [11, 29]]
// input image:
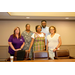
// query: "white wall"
[[65, 28]]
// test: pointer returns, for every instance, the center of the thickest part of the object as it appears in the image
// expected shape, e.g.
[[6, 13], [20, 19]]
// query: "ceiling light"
[[67, 18], [27, 17]]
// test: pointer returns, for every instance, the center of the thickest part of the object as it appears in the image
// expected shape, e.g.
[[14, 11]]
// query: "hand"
[[54, 50], [14, 49], [18, 49], [27, 51], [46, 49], [43, 49]]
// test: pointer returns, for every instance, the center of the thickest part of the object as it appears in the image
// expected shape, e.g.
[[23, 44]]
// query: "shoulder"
[[33, 35], [23, 32], [47, 27], [31, 31], [57, 34], [11, 36], [21, 36], [43, 33]]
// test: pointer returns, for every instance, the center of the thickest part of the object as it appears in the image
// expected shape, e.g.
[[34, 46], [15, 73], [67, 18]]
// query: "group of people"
[[44, 39]]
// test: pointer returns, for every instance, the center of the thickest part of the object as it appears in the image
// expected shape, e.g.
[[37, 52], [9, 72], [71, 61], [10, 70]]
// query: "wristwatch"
[[56, 48]]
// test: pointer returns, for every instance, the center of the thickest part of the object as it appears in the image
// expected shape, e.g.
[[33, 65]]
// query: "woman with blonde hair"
[[16, 41], [53, 42]]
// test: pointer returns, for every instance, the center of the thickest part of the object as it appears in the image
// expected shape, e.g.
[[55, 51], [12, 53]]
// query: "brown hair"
[[19, 32], [53, 27]]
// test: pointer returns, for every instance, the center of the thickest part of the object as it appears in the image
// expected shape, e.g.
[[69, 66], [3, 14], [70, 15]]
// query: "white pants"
[[51, 54]]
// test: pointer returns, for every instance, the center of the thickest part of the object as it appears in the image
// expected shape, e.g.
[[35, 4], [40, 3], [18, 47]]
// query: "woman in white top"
[[38, 40], [53, 42]]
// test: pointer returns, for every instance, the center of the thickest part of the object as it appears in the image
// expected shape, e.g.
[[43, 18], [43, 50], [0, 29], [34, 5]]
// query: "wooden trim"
[[36, 20], [60, 46], [4, 45]]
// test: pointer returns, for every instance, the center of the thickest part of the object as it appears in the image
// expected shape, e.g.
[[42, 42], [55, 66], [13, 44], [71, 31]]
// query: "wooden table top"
[[55, 60]]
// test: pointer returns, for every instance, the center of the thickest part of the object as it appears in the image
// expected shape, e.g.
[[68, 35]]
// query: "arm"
[[44, 44], [10, 44], [21, 46], [31, 44], [47, 46], [60, 42]]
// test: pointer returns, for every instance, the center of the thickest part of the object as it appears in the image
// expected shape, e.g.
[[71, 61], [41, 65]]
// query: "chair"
[[62, 54], [40, 55], [25, 57], [15, 56]]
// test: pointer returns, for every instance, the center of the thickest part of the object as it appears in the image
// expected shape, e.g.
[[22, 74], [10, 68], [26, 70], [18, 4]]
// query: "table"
[[55, 60]]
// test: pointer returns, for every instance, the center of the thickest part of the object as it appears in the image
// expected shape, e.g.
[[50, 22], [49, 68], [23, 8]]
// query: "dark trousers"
[[11, 54], [45, 47]]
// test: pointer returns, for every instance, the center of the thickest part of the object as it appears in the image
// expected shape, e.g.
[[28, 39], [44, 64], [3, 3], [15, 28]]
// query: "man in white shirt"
[[45, 30]]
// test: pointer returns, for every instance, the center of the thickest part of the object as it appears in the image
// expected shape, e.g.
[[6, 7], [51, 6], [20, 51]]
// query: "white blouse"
[[40, 35], [53, 41]]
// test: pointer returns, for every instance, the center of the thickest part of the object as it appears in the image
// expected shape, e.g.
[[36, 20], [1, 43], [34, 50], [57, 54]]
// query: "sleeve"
[[58, 35], [10, 38], [31, 33], [22, 34], [23, 39], [33, 36], [43, 34]]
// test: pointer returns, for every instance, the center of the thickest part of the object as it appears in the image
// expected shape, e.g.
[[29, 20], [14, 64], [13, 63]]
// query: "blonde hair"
[[53, 27]]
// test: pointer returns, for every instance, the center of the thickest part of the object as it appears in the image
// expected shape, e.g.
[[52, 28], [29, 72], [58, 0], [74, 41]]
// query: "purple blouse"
[[16, 43]]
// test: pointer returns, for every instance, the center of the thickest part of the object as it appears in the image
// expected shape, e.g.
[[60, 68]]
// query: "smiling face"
[[38, 29], [52, 30], [28, 27], [17, 31], [43, 24]]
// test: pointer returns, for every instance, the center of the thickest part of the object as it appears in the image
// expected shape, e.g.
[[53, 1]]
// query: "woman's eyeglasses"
[[38, 28], [51, 29]]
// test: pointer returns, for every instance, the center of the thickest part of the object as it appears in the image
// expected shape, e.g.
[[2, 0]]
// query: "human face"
[[28, 28], [38, 29], [52, 30], [17, 31], [43, 24]]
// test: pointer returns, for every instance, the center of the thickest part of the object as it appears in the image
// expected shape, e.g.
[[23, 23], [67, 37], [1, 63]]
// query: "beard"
[[43, 26], [27, 29]]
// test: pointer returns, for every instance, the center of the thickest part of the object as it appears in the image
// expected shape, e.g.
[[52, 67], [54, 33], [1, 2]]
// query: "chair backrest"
[[17, 56], [40, 55], [62, 54]]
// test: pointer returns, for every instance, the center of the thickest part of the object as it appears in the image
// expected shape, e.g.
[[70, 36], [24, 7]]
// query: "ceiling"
[[37, 15]]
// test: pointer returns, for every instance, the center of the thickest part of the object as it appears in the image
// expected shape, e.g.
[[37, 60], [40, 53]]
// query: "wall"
[[4, 51], [65, 28]]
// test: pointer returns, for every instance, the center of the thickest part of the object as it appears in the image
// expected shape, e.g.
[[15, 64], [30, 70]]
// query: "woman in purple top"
[[16, 41]]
